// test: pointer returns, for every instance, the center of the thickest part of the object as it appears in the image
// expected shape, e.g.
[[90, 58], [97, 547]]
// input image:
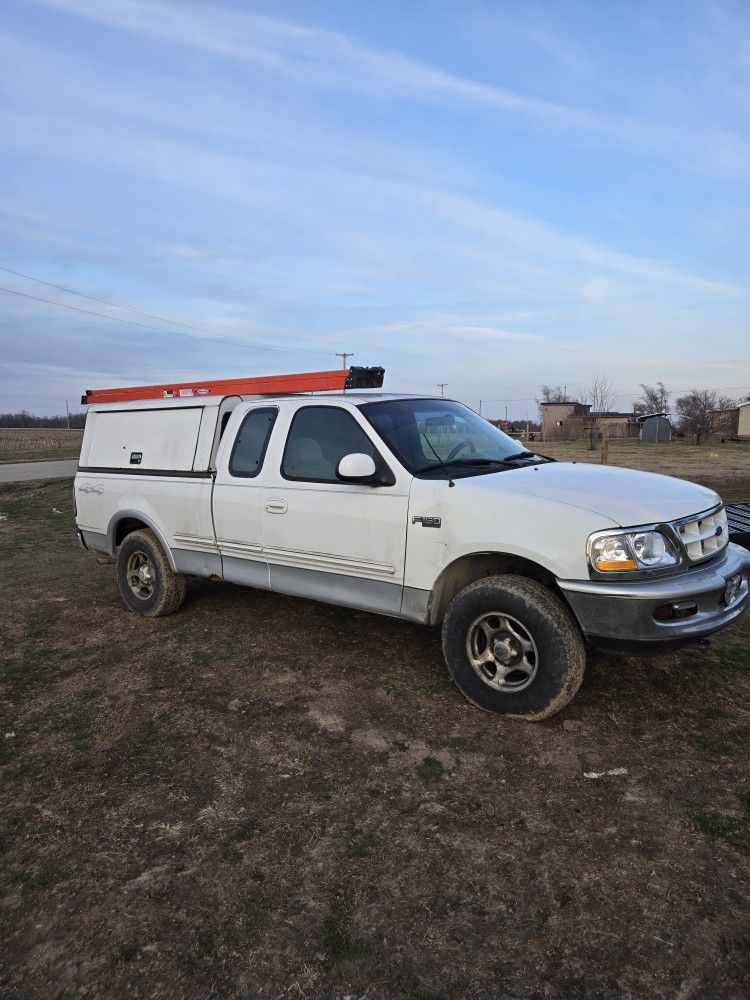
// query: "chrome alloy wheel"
[[501, 652], [140, 575]]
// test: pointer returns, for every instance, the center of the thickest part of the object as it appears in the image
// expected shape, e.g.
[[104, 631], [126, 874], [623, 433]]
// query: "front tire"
[[513, 647], [148, 585]]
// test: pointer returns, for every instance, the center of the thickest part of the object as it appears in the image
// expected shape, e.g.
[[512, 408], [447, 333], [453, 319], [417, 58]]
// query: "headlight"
[[621, 551], [649, 547]]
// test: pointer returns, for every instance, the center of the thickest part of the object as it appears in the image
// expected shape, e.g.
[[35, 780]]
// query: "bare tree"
[[653, 399], [551, 394], [699, 412], [25, 419], [600, 393]]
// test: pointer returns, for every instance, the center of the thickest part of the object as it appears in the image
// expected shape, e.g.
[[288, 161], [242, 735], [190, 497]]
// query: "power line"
[[207, 339], [104, 302]]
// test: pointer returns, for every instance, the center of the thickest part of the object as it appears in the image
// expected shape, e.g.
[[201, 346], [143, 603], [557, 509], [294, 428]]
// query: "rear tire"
[[513, 647], [148, 585]]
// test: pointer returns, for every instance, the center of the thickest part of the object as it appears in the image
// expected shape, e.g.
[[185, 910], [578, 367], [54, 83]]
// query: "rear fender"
[[146, 521]]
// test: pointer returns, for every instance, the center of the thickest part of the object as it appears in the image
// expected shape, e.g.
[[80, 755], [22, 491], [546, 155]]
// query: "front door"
[[323, 538]]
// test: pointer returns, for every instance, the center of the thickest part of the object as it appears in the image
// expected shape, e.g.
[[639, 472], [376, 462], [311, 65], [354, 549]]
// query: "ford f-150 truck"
[[416, 508]]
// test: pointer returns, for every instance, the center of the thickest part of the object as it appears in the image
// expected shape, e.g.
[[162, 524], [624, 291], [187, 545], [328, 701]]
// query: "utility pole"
[[441, 386], [67, 413], [480, 407], [344, 355]]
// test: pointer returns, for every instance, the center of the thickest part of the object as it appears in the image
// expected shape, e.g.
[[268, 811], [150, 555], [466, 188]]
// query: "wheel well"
[[126, 527], [469, 569]]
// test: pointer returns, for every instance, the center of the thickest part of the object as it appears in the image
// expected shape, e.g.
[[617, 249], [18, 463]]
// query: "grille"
[[705, 535]]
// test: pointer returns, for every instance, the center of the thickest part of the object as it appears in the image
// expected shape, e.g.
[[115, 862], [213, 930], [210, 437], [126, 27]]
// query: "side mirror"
[[357, 468]]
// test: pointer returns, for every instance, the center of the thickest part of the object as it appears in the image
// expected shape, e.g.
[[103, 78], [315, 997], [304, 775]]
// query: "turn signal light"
[[620, 564]]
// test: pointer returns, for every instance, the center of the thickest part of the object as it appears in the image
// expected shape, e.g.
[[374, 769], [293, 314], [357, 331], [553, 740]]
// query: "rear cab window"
[[249, 448]]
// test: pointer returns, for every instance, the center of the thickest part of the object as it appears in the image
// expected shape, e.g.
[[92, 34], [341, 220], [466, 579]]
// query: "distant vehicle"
[[411, 507]]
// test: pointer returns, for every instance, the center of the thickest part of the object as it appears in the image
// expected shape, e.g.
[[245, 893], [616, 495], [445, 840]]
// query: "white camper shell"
[[156, 436]]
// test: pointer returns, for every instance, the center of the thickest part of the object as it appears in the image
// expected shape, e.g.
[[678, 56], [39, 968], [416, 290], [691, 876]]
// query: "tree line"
[[25, 419], [696, 414]]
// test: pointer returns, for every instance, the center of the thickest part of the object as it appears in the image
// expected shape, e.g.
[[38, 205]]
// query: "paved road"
[[15, 472]]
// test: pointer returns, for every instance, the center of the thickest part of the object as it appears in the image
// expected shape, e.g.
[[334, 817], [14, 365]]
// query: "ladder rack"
[[264, 385]]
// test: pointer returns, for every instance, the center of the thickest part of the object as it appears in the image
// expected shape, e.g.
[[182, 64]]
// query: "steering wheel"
[[460, 447]]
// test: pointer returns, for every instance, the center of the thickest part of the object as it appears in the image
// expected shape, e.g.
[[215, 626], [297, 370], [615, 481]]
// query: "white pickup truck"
[[416, 508]]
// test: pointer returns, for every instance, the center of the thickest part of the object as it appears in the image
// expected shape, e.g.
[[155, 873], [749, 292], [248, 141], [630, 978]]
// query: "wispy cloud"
[[323, 58], [312, 55], [455, 329]]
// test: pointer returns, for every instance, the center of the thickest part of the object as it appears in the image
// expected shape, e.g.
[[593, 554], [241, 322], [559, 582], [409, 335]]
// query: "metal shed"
[[655, 428]]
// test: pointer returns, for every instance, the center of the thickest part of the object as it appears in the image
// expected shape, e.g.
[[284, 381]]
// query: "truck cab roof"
[[209, 401]]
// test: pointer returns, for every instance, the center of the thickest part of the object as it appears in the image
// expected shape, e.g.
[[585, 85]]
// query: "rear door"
[[323, 538], [237, 494]]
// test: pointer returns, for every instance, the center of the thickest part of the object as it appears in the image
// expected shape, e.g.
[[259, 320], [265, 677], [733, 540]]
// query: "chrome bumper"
[[637, 614]]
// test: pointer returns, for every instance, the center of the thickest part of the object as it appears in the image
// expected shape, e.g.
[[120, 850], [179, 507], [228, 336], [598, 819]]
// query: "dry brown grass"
[[723, 467], [20, 444]]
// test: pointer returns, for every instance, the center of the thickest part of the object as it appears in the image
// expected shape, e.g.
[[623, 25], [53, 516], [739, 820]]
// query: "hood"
[[625, 496]]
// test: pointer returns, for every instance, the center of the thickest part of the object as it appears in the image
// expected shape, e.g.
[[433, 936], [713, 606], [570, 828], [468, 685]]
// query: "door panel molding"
[[379, 596], [326, 561]]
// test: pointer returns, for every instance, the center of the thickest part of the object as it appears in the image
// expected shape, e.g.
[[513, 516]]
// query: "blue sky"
[[488, 194]]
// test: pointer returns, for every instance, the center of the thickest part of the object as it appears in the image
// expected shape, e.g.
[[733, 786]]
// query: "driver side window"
[[318, 439]]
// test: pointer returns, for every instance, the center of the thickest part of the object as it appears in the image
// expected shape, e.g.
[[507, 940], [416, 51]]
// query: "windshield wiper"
[[477, 461], [461, 462]]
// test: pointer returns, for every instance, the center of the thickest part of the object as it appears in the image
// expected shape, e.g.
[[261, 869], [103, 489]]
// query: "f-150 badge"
[[427, 522]]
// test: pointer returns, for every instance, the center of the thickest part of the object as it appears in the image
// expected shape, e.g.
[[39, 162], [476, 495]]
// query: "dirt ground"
[[267, 797], [35, 444]]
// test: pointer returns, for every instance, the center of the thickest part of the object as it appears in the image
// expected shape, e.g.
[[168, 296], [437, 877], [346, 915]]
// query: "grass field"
[[267, 797], [37, 444], [723, 467]]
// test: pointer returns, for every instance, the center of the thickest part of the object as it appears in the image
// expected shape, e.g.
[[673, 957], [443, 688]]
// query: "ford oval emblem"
[[719, 530]]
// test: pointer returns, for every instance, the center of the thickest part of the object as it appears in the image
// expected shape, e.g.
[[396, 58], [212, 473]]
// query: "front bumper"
[[635, 615]]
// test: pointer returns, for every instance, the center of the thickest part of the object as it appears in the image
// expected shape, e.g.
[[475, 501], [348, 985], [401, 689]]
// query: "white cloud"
[[323, 58]]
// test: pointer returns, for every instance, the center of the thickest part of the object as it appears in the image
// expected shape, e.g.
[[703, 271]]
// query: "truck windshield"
[[427, 435]]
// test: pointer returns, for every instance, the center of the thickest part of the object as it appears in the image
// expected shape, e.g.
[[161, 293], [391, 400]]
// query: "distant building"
[[734, 423], [573, 420], [654, 427], [743, 421], [563, 421]]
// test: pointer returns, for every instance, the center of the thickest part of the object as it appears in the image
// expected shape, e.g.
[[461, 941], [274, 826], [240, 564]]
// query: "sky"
[[492, 195]]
